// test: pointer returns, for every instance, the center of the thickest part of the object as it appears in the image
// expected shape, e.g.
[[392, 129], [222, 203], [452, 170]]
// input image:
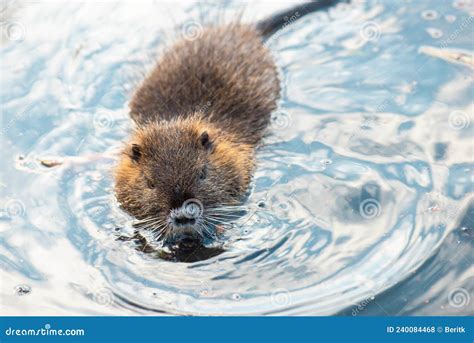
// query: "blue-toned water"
[[360, 204]]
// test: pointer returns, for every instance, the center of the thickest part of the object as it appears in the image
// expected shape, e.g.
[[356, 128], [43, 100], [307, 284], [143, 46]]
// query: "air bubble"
[[450, 18], [435, 33], [325, 162], [434, 208], [429, 15], [460, 4]]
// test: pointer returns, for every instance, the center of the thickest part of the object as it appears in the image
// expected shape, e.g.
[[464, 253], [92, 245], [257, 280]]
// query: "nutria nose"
[[188, 213], [182, 220]]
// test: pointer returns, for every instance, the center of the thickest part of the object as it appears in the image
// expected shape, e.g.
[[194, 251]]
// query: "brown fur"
[[224, 84]]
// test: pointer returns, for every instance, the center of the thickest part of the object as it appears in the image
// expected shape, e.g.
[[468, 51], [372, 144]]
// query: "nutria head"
[[173, 173]]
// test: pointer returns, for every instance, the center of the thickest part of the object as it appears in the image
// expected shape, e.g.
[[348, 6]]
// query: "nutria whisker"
[[223, 217], [218, 221], [160, 227], [229, 213], [158, 235], [146, 220], [223, 206], [225, 212], [148, 224]]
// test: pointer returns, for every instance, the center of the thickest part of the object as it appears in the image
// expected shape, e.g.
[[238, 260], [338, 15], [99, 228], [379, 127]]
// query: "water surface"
[[360, 204]]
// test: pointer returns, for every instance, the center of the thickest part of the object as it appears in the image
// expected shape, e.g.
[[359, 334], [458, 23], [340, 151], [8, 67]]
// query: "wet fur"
[[227, 73], [223, 84]]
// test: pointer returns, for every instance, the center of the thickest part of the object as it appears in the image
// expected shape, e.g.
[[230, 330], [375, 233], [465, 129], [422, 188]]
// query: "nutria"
[[199, 116]]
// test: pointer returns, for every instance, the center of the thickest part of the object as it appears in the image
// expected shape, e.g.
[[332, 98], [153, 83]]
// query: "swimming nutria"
[[199, 116]]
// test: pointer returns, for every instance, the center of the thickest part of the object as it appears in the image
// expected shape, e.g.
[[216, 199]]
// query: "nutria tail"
[[269, 26]]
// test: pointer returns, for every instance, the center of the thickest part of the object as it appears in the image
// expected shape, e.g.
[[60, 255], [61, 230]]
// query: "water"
[[360, 204]]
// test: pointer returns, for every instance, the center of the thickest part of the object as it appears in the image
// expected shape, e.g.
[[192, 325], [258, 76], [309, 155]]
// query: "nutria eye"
[[150, 184], [205, 141], [136, 152], [203, 174]]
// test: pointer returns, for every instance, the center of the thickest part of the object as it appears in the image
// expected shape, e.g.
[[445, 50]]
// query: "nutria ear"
[[205, 141], [136, 152]]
